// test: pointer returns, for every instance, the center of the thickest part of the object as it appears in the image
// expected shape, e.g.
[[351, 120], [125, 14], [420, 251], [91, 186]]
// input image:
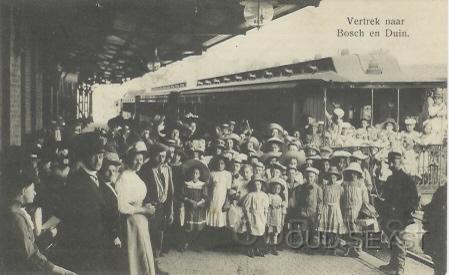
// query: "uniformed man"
[[400, 199]]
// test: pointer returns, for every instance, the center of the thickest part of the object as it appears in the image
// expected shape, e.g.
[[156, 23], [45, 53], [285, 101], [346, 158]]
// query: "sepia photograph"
[[240, 137]]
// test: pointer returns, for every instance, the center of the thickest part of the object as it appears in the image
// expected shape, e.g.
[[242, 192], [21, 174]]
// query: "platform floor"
[[288, 262]]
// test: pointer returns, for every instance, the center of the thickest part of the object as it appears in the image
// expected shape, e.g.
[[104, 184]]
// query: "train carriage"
[[288, 93]]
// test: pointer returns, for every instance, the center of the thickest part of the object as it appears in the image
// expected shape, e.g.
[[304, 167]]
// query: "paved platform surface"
[[288, 262]]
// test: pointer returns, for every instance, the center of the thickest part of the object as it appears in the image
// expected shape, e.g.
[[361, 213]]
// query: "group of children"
[[320, 209]]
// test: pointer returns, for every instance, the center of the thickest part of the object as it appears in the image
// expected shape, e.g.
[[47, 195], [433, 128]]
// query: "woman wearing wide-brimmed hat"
[[194, 197], [330, 222], [131, 191], [354, 196]]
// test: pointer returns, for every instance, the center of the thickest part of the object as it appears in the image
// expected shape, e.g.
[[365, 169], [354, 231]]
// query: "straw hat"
[[267, 156], [277, 181], [313, 170], [359, 155], [279, 166], [439, 92], [111, 158], [355, 167], [326, 156], [300, 156], [275, 140], [340, 154], [339, 112], [326, 149], [313, 147], [392, 122], [410, 121], [333, 171], [191, 164], [272, 126], [234, 137], [315, 157]]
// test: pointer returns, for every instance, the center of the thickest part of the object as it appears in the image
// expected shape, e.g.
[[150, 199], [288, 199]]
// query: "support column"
[[372, 106], [397, 112]]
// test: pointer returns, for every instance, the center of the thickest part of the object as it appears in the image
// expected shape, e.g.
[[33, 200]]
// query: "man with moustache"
[[82, 233]]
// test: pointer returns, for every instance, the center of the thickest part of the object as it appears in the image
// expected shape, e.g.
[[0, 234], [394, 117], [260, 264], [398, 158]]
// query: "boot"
[[274, 250], [259, 253], [251, 252], [387, 267]]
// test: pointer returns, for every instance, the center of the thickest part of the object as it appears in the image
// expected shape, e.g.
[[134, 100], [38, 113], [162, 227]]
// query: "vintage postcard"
[[223, 137]]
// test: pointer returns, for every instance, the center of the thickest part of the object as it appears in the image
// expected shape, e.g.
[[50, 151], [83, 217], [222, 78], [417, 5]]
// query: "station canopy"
[[115, 40]]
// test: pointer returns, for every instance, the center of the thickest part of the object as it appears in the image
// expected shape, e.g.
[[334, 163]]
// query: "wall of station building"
[[25, 104]]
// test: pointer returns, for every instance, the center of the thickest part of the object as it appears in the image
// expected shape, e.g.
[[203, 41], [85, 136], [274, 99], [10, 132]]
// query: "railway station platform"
[[288, 262]]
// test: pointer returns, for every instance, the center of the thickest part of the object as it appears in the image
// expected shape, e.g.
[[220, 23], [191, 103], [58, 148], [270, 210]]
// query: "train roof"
[[378, 70]]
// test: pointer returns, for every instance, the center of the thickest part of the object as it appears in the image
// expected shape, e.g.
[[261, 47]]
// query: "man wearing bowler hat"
[[82, 232], [399, 202], [158, 178]]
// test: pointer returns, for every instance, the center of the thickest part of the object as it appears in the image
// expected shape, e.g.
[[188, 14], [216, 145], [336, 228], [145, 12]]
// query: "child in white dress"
[[276, 213]]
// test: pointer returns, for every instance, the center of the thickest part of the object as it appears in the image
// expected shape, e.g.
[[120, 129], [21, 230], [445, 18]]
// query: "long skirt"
[[140, 254], [331, 219]]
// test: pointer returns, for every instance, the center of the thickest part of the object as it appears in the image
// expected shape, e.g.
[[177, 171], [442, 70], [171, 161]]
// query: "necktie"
[[95, 179]]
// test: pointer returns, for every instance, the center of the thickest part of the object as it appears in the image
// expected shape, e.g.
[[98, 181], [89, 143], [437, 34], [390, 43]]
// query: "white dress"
[[131, 191], [220, 183]]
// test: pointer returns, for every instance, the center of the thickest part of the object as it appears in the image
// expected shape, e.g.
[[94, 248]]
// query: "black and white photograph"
[[216, 137]]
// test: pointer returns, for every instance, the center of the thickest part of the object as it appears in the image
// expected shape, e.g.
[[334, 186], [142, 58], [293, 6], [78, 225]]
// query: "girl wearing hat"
[[330, 223], [219, 184], [194, 197], [361, 159], [131, 191], [389, 132], [255, 208], [354, 196], [276, 213]]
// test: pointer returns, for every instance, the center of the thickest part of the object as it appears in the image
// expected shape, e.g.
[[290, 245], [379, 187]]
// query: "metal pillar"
[[397, 113], [372, 106]]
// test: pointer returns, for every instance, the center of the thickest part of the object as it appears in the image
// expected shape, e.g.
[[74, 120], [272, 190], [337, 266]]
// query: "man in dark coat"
[[82, 233], [435, 218], [112, 223], [158, 178], [399, 202]]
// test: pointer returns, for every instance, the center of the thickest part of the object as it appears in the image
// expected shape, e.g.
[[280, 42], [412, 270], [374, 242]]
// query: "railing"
[[426, 163]]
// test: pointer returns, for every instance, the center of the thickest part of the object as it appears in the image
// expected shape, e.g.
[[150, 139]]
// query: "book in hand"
[[50, 223]]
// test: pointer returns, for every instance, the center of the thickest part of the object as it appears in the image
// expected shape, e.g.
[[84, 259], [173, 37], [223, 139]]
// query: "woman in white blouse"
[[131, 191]]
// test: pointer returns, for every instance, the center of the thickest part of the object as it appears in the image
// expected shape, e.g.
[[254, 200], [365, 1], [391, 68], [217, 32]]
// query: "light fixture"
[[258, 12]]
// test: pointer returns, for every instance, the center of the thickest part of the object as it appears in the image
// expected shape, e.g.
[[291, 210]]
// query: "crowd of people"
[[107, 199]]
